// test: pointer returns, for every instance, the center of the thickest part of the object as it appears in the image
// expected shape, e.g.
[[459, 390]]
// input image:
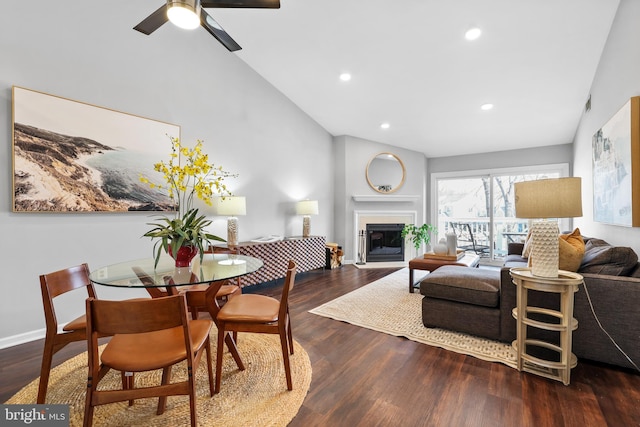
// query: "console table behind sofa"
[[309, 253]]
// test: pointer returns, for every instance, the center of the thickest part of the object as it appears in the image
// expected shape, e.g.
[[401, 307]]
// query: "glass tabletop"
[[142, 273]]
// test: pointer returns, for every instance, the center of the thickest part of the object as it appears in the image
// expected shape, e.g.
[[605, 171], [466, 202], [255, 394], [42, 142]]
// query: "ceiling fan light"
[[184, 13]]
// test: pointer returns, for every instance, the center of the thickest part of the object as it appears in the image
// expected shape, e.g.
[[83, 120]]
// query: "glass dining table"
[[214, 270], [143, 273]]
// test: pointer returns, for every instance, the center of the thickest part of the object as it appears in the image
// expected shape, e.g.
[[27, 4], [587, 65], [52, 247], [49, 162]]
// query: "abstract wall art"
[[616, 168]]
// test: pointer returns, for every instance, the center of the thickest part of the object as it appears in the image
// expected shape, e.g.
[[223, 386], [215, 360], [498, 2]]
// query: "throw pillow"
[[602, 258], [526, 250], [570, 250]]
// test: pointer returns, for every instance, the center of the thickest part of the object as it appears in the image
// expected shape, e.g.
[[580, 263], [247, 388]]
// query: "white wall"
[[352, 156], [617, 79], [187, 78]]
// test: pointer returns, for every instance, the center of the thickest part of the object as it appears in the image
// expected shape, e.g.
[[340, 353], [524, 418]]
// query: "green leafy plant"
[[418, 235], [195, 178]]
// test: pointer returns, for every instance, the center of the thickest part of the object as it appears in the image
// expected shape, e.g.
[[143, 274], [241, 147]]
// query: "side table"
[[431, 264], [562, 321]]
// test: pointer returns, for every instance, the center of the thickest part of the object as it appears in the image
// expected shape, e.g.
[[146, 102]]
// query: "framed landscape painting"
[[70, 156], [616, 168]]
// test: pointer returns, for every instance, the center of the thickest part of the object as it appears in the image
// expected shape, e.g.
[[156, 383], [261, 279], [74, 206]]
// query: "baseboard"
[[22, 338]]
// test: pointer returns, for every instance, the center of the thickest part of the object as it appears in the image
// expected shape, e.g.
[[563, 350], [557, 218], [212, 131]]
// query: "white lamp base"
[[232, 231], [544, 250], [306, 226]]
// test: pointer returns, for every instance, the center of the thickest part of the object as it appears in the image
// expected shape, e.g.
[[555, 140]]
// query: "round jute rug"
[[257, 396]]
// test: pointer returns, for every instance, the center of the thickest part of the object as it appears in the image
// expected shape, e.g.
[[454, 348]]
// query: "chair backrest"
[[60, 282], [136, 316], [222, 250], [286, 289], [148, 282]]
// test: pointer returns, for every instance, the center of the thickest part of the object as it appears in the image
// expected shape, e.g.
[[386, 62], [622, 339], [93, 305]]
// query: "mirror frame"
[[399, 185]]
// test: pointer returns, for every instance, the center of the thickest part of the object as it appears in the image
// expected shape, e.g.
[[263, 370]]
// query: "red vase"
[[184, 256]]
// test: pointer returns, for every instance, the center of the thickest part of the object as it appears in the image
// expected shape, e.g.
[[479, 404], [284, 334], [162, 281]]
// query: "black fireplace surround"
[[385, 242]]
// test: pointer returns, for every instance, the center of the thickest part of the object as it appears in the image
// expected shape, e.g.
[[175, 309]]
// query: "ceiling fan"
[[190, 13]]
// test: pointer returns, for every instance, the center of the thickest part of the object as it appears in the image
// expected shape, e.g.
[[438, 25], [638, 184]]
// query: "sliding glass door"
[[479, 207]]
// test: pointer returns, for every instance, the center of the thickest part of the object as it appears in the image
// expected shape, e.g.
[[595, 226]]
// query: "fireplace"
[[384, 242]]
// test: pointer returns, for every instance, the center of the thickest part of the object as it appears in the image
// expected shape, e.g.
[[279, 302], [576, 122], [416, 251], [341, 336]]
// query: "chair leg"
[[290, 334], [219, 351], [192, 398], [88, 405], [45, 369], [207, 350], [285, 357], [127, 383], [162, 400]]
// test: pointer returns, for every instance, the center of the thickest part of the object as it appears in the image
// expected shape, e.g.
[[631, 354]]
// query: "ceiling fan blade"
[[257, 4], [216, 31], [153, 21]]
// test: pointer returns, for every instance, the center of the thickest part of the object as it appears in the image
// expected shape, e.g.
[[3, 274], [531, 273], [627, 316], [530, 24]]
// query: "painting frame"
[[69, 156], [616, 168]]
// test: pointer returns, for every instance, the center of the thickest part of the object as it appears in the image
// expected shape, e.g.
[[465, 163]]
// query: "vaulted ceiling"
[[411, 67]]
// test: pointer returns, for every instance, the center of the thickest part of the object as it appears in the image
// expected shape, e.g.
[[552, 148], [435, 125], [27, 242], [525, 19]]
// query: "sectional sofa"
[[607, 306]]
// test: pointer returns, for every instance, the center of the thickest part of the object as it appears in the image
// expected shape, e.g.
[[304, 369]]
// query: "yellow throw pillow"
[[571, 248]]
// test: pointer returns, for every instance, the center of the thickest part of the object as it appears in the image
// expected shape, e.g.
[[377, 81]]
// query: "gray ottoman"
[[462, 299]]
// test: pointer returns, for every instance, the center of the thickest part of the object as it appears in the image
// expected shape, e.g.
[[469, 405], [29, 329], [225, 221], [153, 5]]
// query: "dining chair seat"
[[76, 324], [153, 350], [251, 308]]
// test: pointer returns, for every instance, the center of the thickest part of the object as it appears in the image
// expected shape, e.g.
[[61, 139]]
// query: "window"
[[479, 207]]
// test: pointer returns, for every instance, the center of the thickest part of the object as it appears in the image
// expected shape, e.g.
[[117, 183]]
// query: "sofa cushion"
[[602, 258], [478, 286]]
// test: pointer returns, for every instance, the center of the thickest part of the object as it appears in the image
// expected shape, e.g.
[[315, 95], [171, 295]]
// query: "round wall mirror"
[[385, 173]]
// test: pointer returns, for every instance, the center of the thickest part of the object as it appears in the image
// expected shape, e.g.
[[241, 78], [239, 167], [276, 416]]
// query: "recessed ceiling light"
[[345, 77], [486, 107], [385, 126], [472, 33]]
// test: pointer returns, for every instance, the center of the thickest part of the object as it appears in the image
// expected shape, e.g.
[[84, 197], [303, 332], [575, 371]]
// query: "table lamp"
[[307, 208], [541, 200], [232, 206]]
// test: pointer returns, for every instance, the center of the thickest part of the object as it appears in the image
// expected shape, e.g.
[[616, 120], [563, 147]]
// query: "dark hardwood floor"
[[366, 378]]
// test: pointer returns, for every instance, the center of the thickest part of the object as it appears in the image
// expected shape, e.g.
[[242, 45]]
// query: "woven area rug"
[[387, 306], [257, 396]]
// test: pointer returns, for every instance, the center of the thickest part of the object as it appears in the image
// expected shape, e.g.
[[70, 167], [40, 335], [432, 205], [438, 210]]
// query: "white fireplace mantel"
[[389, 198]]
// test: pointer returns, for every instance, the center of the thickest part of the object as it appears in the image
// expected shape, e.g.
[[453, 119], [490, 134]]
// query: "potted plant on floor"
[[418, 235]]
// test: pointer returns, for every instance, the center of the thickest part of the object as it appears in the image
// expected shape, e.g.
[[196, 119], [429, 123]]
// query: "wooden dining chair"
[[53, 285], [148, 334], [229, 289], [258, 314]]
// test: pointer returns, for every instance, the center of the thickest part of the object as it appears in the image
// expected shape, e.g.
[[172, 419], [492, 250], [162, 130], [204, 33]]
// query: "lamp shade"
[[230, 205], [184, 13], [549, 198], [307, 207]]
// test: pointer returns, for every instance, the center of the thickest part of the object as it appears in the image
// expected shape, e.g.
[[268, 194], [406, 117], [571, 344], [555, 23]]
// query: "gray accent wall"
[[617, 79], [352, 156]]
